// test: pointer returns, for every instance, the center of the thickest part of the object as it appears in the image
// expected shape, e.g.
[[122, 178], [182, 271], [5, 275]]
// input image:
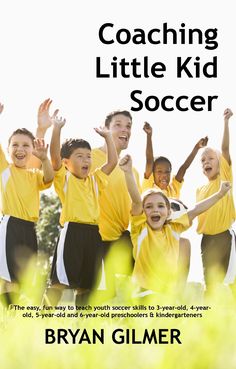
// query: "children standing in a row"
[[19, 204]]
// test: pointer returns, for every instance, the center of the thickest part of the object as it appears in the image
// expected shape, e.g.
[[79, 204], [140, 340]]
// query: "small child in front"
[[155, 236]]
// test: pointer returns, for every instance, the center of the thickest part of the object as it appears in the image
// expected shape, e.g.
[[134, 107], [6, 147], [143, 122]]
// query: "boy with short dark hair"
[[75, 259]]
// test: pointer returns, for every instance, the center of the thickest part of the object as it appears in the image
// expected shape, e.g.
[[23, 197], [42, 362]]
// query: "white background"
[[48, 49]]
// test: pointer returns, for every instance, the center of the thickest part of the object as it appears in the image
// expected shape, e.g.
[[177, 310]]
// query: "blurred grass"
[[207, 343]]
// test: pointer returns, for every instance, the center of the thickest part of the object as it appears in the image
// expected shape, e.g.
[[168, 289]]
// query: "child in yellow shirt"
[[75, 259], [158, 175], [156, 238], [19, 205], [215, 224]]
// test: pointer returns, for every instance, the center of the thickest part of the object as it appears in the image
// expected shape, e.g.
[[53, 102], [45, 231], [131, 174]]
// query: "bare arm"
[[112, 157], [149, 150], [126, 165], [40, 151], [55, 145], [225, 140], [44, 122], [204, 205], [182, 170]]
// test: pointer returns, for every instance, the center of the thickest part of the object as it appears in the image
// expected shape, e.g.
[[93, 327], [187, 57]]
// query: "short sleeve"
[[59, 180], [101, 179], [3, 161], [41, 185], [180, 224], [225, 170], [147, 183], [176, 187]]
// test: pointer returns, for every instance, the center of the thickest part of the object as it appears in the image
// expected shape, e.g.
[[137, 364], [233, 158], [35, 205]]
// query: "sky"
[[49, 49]]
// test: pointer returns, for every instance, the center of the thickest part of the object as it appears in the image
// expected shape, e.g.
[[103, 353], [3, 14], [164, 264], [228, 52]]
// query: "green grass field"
[[208, 342]]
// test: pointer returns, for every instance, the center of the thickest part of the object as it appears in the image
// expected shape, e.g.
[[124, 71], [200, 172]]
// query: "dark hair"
[[110, 116], [22, 131], [70, 145], [161, 159]]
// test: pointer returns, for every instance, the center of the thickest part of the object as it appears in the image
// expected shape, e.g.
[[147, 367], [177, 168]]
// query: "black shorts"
[[215, 251], [75, 261], [18, 244]]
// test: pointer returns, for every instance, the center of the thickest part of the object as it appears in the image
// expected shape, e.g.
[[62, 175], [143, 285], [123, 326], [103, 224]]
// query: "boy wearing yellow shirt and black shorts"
[[217, 247], [19, 205], [76, 256]]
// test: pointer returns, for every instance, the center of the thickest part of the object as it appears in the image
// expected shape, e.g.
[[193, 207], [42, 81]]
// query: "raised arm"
[[44, 121], [182, 170], [126, 165], [225, 140], [40, 151], [112, 157], [1, 108], [55, 145], [149, 150], [204, 205]]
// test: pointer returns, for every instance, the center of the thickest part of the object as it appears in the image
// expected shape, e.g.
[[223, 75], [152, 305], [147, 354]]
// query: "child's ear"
[[169, 213], [64, 161]]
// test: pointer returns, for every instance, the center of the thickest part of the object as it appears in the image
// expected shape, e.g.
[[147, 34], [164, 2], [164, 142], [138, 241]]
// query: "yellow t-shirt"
[[219, 217], [115, 202], [172, 190], [79, 197], [156, 252], [19, 190]]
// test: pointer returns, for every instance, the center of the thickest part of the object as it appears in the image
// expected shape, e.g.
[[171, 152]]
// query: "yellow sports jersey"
[[172, 190], [79, 197], [156, 252], [219, 217], [19, 190], [115, 202]]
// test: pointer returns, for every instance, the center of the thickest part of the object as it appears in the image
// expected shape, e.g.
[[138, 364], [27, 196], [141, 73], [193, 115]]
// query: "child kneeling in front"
[[155, 237]]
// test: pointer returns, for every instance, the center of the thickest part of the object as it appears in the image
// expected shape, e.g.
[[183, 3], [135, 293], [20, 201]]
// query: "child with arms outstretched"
[[158, 175], [155, 237]]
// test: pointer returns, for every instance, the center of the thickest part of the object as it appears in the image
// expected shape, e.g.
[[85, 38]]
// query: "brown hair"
[[110, 116], [22, 131], [152, 191]]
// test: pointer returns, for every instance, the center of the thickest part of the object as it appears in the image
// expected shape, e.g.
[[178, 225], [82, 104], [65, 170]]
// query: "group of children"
[[99, 197]]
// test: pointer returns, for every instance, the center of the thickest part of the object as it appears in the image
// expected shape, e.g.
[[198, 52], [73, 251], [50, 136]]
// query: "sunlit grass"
[[207, 342]]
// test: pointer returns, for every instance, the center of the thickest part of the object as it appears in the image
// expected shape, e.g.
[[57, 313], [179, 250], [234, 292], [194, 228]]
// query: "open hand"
[[40, 149]]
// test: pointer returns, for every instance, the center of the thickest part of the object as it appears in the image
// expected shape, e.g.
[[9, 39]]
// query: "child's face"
[[79, 163], [210, 164], [156, 211], [20, 150], [120, 127], [161, 174]]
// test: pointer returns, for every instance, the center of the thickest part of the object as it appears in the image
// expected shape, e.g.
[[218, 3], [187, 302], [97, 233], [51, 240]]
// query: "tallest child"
[[115, 203]]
